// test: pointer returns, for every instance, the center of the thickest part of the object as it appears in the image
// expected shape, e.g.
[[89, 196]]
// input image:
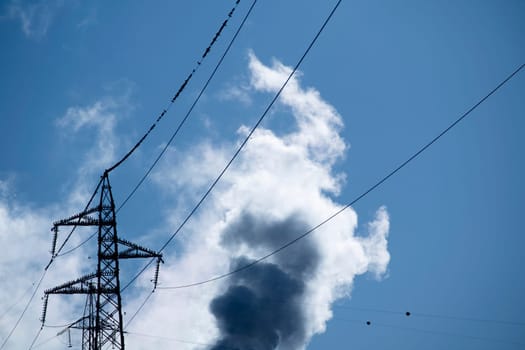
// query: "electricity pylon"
[[102, 320]]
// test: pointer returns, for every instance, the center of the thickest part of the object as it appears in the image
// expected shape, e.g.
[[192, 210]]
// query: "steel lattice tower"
[[102, 320]]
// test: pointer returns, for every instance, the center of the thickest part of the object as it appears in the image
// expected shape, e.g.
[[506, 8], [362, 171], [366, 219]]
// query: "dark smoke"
[[262, 307]]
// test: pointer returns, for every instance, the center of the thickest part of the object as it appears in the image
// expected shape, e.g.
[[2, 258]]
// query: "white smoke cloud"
[[278, 182]]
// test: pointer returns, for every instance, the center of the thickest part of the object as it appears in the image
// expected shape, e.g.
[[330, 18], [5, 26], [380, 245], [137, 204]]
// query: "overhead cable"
[[244, 142], [161, 115], [190, 110], [23, 311], [370, 189], [372, 323], [179, 91]]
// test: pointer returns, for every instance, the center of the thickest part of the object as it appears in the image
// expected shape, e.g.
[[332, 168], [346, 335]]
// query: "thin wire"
[[161, 115], [17, 301], [74, 227], [439, 333], [460, 318], [77, 246], [181, 88], [44, 274], [372, 188], [431, 315], [259, 121], [175, 340], [190, 110], [45, 341], [361, 322], [245, 141], [36, 337], [140, 308], [23, 311], [171, 139]]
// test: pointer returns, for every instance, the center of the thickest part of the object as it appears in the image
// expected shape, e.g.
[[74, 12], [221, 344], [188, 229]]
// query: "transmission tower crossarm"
[[79, 219], [102, 320], [78, 286], [135, 251]]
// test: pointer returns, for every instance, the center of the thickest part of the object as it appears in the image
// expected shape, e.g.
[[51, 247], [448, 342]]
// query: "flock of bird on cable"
[[262, 309], [277, 300]]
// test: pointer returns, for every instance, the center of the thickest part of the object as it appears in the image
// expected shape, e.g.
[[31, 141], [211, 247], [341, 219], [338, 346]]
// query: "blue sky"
[[82, 81]]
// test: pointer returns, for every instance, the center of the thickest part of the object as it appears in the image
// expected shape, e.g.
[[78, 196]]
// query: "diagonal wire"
[[181, 89], [370, 189], [17, 301], [23, 311], [245, 141], [190, 110], [74, 227], [45, 342], [248, 13], [36, 337], [161, 115], [139, 308]]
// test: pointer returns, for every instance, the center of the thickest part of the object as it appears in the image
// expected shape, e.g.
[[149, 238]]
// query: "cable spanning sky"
[[82, 82]]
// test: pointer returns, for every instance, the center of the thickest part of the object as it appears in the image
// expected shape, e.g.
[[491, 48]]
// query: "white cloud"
[[97, 120], [275, 179], [238, 93], [26, 238], [25, 229], [35, 17], [88, 21], [101, 116]]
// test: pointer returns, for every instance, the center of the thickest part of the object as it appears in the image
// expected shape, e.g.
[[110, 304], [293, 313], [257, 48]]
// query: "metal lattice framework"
[[102, 320]]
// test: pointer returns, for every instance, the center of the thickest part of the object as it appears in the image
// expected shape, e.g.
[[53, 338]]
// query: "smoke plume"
[[263, 307], [281, 185]]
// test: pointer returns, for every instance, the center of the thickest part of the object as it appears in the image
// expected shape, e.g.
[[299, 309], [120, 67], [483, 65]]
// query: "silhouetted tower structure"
[[102, 320]]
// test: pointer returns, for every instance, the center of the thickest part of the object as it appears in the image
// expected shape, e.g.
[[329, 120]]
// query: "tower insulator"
[[54, 242], [156, 275], [44, 309]]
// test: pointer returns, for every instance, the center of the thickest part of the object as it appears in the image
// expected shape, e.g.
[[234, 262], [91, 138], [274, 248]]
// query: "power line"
[[45, 341], [190, 110], [259, 121], [162, 114], [367, 323], [36, 338], [78, 245], [372, 323], [406, 313], [45, 271], [181, 89], [23, 311], [139, 308], [175, 340], [74, 227], [17, 301], [461, 318], [245, 141], [171, 139], [433, 315], [370, 189]]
